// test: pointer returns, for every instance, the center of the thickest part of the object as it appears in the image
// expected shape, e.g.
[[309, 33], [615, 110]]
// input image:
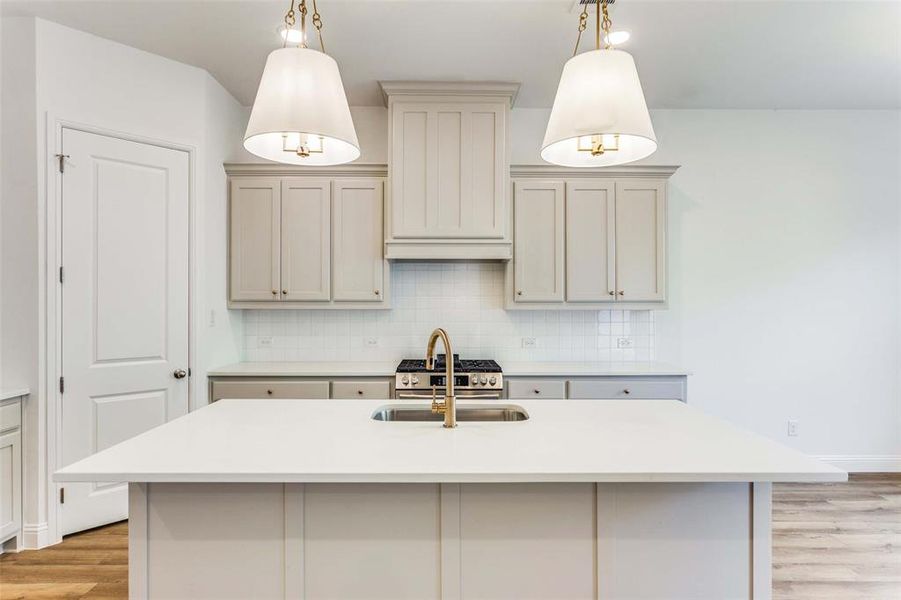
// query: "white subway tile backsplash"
[[464, 298]]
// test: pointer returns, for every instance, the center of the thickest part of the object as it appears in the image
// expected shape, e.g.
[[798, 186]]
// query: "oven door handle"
[[416, 396]]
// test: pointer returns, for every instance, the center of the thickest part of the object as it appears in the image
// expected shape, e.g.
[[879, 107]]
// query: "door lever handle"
[[180, 374]]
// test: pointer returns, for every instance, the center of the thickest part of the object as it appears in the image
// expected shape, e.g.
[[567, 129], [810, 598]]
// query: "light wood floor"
[[830, 541]]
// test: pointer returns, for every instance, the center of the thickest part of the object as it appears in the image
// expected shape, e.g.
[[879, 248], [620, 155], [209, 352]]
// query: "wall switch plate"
[[529, 342], [265, 341], [793, 427], [624, 342], [371, 342]]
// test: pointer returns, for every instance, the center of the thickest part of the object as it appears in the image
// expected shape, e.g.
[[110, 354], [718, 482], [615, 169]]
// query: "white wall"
[[85, 79]]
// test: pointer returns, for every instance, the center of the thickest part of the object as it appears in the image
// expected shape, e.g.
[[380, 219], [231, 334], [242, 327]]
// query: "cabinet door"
[[538, 241], [589, 241], [10, 483], [305, 239], [358, 236], [254, 238], [448, 170], [640, 240]]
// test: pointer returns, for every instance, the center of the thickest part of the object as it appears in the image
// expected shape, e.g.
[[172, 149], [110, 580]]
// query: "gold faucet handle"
[[437, 407]]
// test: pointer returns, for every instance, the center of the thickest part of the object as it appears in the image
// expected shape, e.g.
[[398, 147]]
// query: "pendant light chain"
[[583, 23], [607, 24], [289, 22], [317, 23]]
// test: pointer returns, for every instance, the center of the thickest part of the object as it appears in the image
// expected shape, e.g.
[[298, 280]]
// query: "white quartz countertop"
[[337, 441], [5, 394], [386, 369]]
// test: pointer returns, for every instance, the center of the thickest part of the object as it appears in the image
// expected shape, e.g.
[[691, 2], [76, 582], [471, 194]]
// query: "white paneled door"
[[124, 304]]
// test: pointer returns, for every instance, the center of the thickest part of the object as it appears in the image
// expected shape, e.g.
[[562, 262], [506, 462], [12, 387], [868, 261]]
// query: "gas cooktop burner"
[[417, 365]]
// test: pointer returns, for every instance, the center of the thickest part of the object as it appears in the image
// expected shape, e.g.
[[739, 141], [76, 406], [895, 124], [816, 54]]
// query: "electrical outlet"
[[793, 427], [265, 341], [624, 342], [371, 342], [529, 342]]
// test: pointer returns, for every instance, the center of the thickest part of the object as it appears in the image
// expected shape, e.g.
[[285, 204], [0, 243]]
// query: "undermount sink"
[[423, 412]]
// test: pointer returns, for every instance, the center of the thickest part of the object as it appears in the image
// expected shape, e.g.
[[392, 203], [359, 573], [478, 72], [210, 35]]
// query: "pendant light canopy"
[[599, 117], [300, 115]]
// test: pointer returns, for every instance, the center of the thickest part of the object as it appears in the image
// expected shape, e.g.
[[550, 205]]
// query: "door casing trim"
[[49, 427]]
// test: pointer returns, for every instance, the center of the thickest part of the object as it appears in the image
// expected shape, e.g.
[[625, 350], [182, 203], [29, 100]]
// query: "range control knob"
[[483, 380], [405, 380], [415, 380], [492, 380]]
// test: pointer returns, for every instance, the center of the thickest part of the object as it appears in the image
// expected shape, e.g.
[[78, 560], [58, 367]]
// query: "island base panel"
[[450, 541]]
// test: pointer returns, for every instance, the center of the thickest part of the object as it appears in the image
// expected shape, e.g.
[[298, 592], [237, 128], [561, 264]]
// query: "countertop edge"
[[14, 393], [516, 369]]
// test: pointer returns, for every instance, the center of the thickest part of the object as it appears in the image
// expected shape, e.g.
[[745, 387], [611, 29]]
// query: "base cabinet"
[[300, 388], [646, 387], [455, 541], [10, 472]]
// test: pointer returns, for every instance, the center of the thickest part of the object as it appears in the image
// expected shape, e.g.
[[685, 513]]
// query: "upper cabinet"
[[449, 170], [589, 241], [306, 242]]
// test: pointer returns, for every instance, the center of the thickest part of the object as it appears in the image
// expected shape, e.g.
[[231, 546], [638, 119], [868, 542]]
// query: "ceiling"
[[815, 54]]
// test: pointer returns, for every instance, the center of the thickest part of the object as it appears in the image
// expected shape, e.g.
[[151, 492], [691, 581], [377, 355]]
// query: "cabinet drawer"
[[373, 390], [270, 389], [607, 389], [10, 416], [537, 388]]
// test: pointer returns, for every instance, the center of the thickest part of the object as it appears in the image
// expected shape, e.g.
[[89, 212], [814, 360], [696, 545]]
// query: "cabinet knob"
[[612, 293], [519, 293], [269, 392], [359, 392], [621, 292], [626, 391], [377, 292], [536, 391], [275, 292], [284, 292]]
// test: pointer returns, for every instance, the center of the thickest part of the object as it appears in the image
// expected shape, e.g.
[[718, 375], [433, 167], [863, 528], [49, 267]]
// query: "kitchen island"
[[314, 499]]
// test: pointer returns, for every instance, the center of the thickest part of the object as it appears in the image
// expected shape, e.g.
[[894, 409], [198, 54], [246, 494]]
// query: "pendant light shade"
[[599, 117], [300, 115]]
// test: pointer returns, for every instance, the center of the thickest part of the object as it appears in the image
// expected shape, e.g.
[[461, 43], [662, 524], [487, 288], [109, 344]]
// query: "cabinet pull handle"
[[275, 292]]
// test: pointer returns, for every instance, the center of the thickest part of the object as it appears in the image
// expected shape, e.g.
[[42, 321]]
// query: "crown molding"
[[277, 169], [554, 171], [507, 90]]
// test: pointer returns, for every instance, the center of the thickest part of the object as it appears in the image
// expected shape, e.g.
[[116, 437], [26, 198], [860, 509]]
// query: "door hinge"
[[62, 495], [62, 162], [62, 385], [189, 371], [60, 274]]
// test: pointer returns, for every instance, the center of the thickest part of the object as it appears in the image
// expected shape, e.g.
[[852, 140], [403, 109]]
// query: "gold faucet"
[[449, 407]]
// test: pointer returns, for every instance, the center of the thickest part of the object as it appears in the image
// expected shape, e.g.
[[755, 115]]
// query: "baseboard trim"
[[864, 463], [35, 536]]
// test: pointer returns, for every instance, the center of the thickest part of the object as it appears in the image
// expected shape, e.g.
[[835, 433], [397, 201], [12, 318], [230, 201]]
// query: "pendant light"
[[599, 117], [300, 115]]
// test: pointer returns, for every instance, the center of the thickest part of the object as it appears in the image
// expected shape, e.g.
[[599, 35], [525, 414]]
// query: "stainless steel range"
[[472, 379]]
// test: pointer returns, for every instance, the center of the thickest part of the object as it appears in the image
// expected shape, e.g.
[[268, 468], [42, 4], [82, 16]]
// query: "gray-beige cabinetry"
[[637, 387], [448, 170], [372, 388], [10, 471], [588, 240], [306, 242]]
